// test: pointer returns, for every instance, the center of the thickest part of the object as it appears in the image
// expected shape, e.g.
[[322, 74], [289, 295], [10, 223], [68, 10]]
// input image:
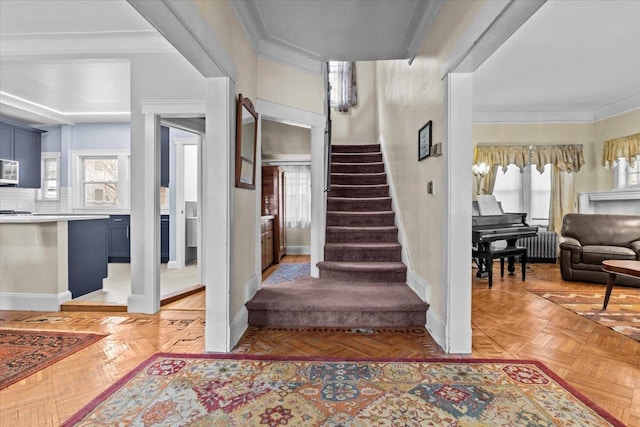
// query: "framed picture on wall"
[[424, 141]]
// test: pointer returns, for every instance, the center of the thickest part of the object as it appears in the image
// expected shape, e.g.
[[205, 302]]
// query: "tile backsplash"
[[24, 199]]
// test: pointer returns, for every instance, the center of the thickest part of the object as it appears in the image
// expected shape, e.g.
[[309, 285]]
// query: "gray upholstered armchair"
[[589, 239]]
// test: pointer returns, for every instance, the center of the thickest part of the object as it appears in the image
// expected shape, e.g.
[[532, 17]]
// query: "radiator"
[[541, 248]]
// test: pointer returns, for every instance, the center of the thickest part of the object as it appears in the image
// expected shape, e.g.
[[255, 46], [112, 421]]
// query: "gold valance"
[[567, 158], [627, 147]]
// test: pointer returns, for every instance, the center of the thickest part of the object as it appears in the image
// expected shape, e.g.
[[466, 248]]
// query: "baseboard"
[[142, 304], [419, 285], [251, 287], [33, 302], [239, 326], [298, 250], [173, 265], [436, 328], [402, 237]]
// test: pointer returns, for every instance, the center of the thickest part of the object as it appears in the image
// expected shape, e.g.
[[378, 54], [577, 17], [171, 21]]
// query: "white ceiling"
[[67, 61], [312, 31], [573, 60]]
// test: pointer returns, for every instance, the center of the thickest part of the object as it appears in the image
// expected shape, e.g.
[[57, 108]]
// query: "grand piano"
[[489, 225]]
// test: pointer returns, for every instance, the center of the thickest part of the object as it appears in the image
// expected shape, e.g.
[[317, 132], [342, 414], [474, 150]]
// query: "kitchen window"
[[101, 180], [50, 177]]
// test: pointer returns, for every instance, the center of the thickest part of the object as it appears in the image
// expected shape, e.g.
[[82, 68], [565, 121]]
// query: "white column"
[[145, 219], [456, 243], [217, 190]]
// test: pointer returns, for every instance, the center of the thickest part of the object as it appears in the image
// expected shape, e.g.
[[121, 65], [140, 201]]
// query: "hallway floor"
[[116, 288], [508, 322]]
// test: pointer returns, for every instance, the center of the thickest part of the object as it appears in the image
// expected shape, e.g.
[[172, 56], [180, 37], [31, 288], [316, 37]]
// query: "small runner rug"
[[23, 353], [622, 313], [240, 390], [288, 272]]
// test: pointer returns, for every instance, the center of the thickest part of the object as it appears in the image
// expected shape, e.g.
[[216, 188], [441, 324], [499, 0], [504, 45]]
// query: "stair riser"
[[361, 319], [359, 191], [357, 168], [361, 237], [369, 148], [362, 255], [356, 158], [364, 276], [359, 179], [363, 205], [336, 219]]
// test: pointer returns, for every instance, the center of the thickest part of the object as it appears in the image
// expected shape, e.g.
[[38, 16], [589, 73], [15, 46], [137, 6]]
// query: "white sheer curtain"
[[342, 78], [297, 191]]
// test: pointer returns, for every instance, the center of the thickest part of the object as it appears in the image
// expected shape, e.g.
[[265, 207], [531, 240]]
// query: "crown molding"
[[624, 105], [419, 27]]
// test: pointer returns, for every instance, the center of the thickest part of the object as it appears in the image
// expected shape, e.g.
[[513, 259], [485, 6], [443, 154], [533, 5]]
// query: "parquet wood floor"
[[508, 322]]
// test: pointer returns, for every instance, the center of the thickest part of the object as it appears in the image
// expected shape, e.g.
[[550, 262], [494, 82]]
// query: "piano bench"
[[487, 256]]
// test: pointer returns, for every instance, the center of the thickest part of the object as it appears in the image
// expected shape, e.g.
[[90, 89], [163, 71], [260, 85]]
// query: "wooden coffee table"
[[615, 267]]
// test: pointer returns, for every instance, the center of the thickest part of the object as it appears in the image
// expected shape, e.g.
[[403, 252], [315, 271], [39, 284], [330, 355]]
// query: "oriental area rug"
[[622, 313], [23, 352], [240, 390], [288, 272]]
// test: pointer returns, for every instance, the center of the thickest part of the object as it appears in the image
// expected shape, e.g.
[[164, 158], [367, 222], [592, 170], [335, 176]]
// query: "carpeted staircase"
[[361, 238], [362, 278]]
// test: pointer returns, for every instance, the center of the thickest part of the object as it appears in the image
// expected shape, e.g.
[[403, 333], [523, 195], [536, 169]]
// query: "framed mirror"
[[246, 138]]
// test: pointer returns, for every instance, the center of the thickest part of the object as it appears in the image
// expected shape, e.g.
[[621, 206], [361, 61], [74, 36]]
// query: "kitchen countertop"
[[31, 219]]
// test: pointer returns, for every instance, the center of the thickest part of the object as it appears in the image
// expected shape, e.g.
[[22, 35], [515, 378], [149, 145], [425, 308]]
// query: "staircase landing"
[[309, 302]]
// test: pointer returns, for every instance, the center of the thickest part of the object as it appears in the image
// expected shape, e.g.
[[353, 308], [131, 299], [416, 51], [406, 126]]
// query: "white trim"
[[419, 285], [33, 302], [621, 106], [298, 250], [436, 328], [285, 114], [494, 24], [419, 30], [215, 211], [182, 24], [402, 236], [252, 286], [456, 212], [532, 116], [48, 155], [173, 265], [169, 108], [180, 216], [124, 179], [239, 325]]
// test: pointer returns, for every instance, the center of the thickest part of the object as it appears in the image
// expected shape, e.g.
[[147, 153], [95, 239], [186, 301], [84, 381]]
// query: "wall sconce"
[[480, 170]]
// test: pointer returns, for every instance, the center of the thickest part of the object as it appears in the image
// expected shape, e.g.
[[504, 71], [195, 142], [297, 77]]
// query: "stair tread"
[[363, 265], [356, 186], [364, 245], [363, 213], [358, 199], [332, 295], [371, 228]]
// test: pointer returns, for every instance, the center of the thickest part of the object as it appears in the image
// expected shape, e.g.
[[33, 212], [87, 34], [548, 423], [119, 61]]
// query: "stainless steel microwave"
[[9, 172]]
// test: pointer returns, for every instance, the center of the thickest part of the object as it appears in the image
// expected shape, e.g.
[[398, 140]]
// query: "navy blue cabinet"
[[87, 246], [119, 238], [164, 238], [6, 142], [164, 156], [23, 145]]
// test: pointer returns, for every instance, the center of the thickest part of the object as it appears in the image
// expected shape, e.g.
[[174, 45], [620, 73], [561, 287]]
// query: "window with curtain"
[[342, 79], [297, 190], [624, 155], [529, 191]]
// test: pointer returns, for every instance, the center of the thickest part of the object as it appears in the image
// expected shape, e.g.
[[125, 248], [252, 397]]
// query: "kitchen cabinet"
[[164, 156], [266, 242], [273, 203], [6, 142], [87, 259], [119, 238], [23, 145], [164, 238]]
